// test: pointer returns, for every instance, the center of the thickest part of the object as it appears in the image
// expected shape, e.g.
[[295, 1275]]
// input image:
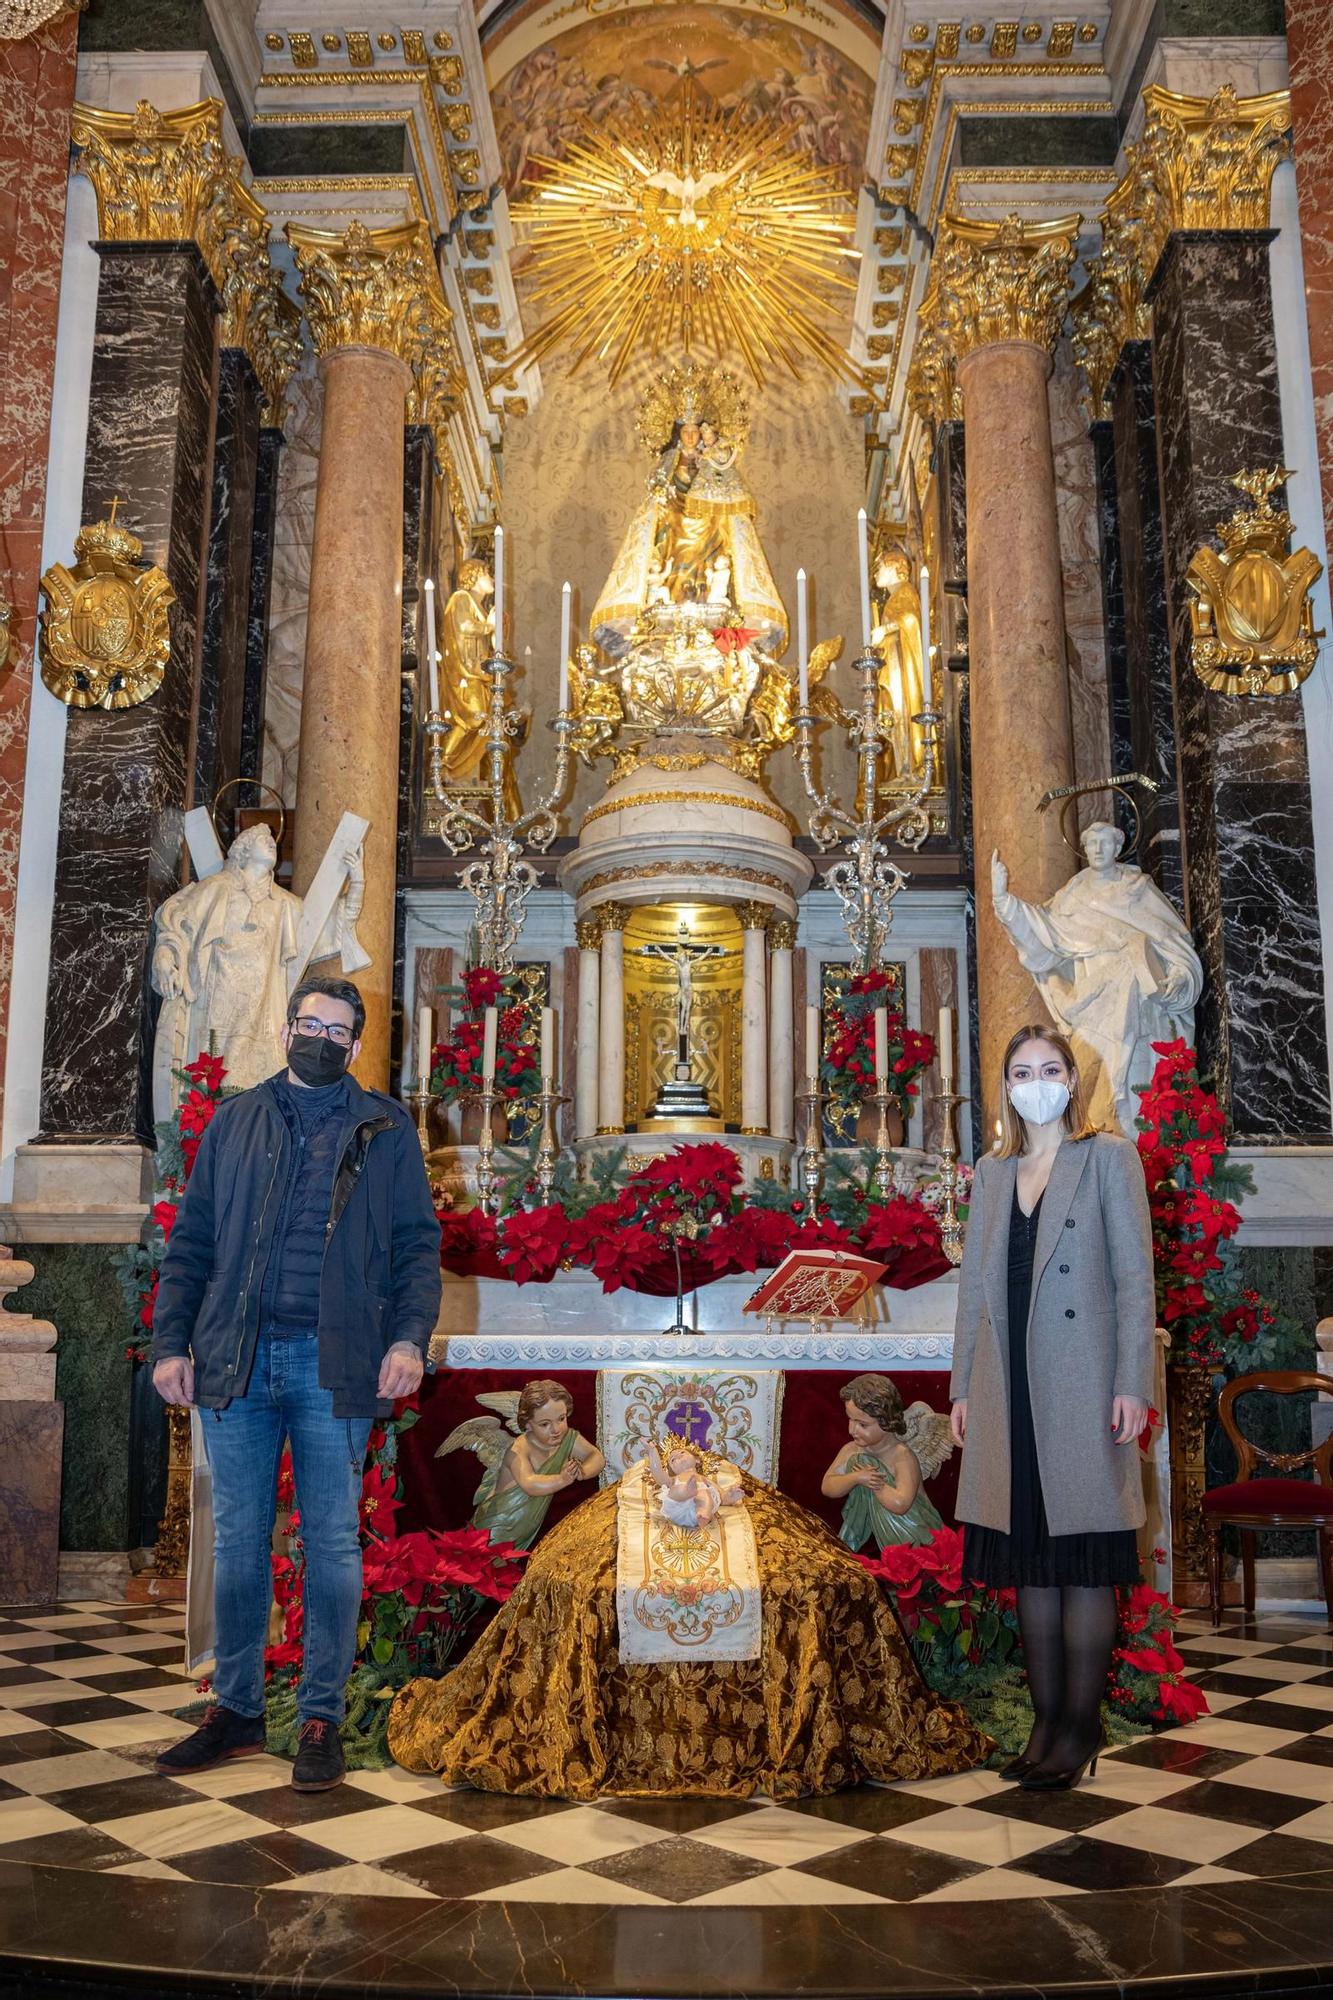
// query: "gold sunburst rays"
[[688, 229]]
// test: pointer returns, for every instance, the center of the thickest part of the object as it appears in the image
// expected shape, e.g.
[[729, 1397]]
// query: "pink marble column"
[[1310, 54], [36, 98]]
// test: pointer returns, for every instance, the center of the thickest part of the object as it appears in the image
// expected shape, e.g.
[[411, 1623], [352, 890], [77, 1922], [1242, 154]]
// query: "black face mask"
[[315, 1060]]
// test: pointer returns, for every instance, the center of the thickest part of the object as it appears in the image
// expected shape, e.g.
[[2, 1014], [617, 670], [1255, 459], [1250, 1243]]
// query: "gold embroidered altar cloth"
[[544, 1705], [684, 1593]]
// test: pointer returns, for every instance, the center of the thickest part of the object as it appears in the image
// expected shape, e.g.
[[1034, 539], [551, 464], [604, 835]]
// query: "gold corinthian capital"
[[381, 288], [1202, 163], [167, 177], [1000, 281]]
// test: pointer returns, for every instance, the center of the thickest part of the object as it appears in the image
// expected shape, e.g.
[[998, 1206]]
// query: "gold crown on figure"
[[103, 543], [692, 394]]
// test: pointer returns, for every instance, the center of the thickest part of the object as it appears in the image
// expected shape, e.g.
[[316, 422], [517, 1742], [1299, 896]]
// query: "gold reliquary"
[[1252, 624], [105, 636]]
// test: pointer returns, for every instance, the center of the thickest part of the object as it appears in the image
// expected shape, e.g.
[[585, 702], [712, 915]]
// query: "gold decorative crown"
[[103, 543], [697, 395], [1261, 525]]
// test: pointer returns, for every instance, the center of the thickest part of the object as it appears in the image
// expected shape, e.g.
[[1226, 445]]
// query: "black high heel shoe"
[[1016, 1768], [1040, 1779]]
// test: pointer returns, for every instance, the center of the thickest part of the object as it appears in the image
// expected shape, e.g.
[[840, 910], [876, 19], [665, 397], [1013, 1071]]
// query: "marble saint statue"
[[896, 637], [467, 637], [224, 954], [1114, 964]]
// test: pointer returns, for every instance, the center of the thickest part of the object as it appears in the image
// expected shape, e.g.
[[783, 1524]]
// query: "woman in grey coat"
[[1053, 1352]]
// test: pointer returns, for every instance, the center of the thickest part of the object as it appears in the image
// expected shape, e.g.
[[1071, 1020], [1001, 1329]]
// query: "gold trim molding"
[[687, 798], [381, 288], [1202, 163], [167, 177], [654, 871]]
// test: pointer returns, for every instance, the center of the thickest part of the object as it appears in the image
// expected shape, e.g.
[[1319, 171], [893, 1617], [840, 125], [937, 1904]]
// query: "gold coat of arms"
[[1252, 626], [105, 637]]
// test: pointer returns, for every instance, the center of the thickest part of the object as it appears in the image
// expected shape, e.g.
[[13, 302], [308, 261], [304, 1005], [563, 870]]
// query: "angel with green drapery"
[[879, 1471], [529, 1458]]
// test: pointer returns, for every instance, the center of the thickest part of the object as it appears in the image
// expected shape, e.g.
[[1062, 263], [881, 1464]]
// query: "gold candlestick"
[[883, 1099], [487, 1098], [951, 1227], [421, 1100], [812, 1151], [548, 1146]]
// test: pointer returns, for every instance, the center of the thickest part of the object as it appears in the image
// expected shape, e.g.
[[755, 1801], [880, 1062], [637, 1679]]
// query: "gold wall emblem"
[[1252, 627], [105, 638]]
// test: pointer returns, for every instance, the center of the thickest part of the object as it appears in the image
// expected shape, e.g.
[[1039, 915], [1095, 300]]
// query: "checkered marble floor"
[[87, 1690]]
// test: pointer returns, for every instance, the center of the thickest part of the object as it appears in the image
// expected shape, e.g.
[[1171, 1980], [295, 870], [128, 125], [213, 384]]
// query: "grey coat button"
[[1069, 1312], [1064, 1270], [1069, 1222]]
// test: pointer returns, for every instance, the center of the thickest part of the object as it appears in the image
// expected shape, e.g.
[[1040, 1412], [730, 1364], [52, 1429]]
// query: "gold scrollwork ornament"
[[105, 637], [1252, 626]]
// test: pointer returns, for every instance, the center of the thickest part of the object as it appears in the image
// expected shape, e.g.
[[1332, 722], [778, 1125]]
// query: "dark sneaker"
[[320, 1763], [220, 1736]]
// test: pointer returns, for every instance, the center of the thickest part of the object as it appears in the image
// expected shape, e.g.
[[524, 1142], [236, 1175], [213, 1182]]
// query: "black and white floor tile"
[[86, 1699]]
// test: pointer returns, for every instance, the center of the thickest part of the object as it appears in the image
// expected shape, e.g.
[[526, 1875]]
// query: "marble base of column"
[[1248, 830], [1018, 684], [350, 691]]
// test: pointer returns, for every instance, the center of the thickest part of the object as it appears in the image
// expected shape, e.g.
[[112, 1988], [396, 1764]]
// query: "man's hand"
[[401, 1370], [1129, 1414], [174, 1381], [958, 1422], [999, 876]]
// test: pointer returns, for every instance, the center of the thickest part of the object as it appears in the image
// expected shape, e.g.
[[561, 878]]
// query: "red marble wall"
[[1310, 53], [36, 96]]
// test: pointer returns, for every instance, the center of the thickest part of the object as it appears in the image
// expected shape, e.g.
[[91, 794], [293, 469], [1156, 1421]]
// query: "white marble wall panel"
[[293, 538], [1080, 566]]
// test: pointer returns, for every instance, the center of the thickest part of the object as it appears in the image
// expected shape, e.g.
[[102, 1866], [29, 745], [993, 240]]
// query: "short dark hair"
[[332, 989]]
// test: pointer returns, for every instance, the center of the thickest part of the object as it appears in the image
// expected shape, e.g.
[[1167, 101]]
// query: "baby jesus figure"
[[687, 1498]]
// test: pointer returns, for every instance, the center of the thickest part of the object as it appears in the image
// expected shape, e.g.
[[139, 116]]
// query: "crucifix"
[[682, 955]]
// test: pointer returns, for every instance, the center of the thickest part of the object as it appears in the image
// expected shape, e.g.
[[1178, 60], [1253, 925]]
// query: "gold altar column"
[[588, 932], [781, 1051], [379, 319], [754, 1019], [611, 1003], [993, 310]]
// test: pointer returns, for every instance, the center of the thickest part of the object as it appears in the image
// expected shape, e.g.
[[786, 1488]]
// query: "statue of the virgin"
[[692, 539]]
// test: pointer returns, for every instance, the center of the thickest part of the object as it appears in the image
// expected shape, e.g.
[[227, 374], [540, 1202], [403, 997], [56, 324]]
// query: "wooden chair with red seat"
[[1251, 1503]]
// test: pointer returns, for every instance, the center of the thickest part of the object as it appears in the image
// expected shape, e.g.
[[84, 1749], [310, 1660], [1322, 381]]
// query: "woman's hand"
[[958, 1422], [1129, 1417]]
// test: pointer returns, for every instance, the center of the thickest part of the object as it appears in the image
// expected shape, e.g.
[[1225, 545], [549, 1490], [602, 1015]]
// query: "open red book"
[[815, 1284]]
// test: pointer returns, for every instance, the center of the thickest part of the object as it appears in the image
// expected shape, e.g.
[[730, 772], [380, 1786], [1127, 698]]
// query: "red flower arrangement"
[[1213, 1320], [848, 1068], [691, 1200], [456, 1064]]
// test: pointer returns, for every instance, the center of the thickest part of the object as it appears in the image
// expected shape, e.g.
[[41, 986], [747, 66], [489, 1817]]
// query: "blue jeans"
[[245, 1440]]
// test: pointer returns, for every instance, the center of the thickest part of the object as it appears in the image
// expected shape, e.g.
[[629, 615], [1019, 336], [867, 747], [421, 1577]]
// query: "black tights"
[[1068, 1634]]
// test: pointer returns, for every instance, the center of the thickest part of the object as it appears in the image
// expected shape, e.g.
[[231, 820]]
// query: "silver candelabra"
[[867, 879], [501, 879]]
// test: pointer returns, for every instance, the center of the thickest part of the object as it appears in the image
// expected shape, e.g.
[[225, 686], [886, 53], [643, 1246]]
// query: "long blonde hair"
[[1013, 1139]]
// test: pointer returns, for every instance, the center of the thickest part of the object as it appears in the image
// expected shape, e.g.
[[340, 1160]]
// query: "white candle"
[[881, 1048], [432, 656], [499, 589], [802, 640], [930, 677], [863, 550], [925, 612], [425, 1040], [812, 1045], [489, 1026], [548, 1047], [945, 1039], [566, 595]]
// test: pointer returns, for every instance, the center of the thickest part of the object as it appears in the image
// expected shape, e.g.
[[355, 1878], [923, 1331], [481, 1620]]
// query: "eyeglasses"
[[310, 1024]]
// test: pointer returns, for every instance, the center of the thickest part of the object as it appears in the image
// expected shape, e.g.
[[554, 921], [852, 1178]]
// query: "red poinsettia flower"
[[536, 1241], [482, 988], [379, 1500]]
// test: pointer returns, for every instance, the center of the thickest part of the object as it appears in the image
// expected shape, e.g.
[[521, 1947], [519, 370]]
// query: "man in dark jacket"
[[297, 1299]]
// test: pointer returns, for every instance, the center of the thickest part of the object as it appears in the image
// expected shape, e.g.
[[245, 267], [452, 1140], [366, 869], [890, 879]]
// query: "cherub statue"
[[775, 699], [521, 1478], [659, 582], [595, 704], [719, 581], [879, 1472], [688, 1498]]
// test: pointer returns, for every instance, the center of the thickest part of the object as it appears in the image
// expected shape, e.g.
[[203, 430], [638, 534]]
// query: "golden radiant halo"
[[688, 228], [709, 395]]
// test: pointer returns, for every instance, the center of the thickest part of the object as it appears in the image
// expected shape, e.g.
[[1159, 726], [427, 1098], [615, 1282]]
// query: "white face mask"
[[1039, 1101]]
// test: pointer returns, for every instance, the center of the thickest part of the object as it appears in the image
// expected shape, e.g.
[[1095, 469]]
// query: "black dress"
[[1029, 1555]]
